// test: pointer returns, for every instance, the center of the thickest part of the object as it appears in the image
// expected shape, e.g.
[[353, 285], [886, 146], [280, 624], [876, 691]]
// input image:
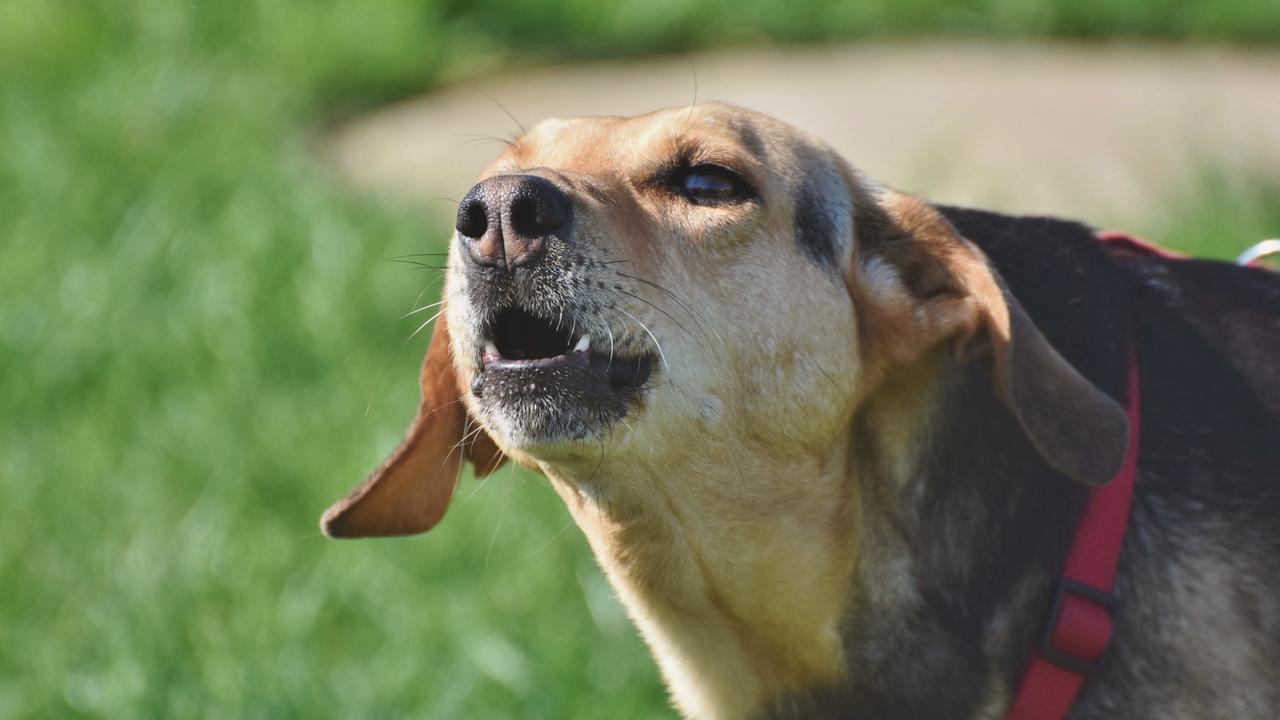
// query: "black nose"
[[504, 221]]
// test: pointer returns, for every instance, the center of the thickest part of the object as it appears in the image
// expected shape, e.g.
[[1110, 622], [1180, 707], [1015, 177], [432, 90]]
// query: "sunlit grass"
[[1220, 215]]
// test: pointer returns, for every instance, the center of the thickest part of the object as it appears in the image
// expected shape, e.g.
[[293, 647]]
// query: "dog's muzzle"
[[551, 368]]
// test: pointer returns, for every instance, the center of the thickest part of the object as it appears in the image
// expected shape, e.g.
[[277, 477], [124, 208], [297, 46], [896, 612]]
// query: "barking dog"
[[830, 443]]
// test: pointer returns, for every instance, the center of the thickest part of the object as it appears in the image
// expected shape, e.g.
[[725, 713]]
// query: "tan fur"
[[726, 511]]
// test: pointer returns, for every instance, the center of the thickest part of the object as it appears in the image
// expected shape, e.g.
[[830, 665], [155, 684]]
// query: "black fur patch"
[[816, 227], [750, 139]]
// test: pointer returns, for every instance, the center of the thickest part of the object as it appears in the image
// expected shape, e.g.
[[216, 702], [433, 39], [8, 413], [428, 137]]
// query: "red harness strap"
[[1080, 622], [1132, 244]]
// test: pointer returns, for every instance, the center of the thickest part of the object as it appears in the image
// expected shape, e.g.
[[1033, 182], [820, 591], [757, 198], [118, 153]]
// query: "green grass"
[[195, 316], [1220, 215]]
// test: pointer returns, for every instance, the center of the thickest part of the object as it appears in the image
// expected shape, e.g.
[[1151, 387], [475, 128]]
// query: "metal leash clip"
[[1259, 251]]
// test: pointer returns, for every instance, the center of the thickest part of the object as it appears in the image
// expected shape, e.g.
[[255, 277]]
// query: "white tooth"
[[490, 348], [584, 344]]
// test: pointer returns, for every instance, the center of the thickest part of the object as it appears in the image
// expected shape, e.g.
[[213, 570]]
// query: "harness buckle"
[[1079, 665]]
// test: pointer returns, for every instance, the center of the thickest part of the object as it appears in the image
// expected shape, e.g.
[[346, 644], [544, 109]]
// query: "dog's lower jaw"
[[737, 614]]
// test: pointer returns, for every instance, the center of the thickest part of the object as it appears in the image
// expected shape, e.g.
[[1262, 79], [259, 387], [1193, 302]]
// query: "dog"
[[830, 442]]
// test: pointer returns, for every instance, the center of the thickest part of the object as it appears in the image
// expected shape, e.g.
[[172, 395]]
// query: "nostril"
[[524, 217], [538, 208], [473, 217]]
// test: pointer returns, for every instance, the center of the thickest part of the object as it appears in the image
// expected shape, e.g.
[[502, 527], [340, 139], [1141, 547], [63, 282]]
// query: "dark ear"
[[410, 492], [918, 284]]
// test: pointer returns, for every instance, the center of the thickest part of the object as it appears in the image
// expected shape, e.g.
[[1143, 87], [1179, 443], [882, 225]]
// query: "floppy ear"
[[409, 493], [917, 283]]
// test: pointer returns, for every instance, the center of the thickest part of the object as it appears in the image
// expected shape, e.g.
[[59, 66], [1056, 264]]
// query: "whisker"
[[692, 402], [421, 254], [679, 301], [419, 265], [502, 511], [660, 288], [368, 407], [651, 336], [417, 299], [494, 463], [473, 139], [415, 311], [442, 406], [502, 107], [655, 307], [468, 436], [547, 544], [383, 376], [389, 324], [484, 480], [423, 325], [693, 69]]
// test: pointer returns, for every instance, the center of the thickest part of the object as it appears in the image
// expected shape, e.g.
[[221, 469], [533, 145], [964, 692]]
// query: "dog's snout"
[[503, 222]]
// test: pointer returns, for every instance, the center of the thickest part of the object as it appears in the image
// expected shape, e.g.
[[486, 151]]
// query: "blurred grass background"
[[195, 315]]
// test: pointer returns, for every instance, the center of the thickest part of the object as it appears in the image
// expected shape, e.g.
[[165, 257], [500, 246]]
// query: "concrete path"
[[1104, 133]]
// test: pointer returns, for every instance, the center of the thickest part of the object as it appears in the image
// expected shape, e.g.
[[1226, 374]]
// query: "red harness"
[[1080, 622]]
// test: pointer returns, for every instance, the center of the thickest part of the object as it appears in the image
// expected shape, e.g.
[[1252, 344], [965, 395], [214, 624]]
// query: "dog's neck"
[[962, 528], [737, 576], [748, 583]]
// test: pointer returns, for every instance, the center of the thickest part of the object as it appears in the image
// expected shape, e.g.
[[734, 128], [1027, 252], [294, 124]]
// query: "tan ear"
[[410, 492], [918, 283]]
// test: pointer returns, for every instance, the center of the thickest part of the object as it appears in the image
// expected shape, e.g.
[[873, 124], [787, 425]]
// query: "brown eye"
[[712, 182]]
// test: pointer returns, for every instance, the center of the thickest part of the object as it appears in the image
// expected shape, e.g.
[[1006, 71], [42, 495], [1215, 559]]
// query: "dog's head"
[[700, 285]]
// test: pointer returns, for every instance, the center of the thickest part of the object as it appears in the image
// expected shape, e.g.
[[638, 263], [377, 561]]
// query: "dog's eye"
[[711, 182]]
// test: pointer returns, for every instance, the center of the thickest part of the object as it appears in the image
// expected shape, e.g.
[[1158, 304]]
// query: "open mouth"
[[521, 342]]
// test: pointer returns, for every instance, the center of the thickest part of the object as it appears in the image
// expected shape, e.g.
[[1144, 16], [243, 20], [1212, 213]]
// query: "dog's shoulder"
[[1203, 540]]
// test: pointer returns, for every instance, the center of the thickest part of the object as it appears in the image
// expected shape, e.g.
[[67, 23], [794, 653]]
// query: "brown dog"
[[829, 442]]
